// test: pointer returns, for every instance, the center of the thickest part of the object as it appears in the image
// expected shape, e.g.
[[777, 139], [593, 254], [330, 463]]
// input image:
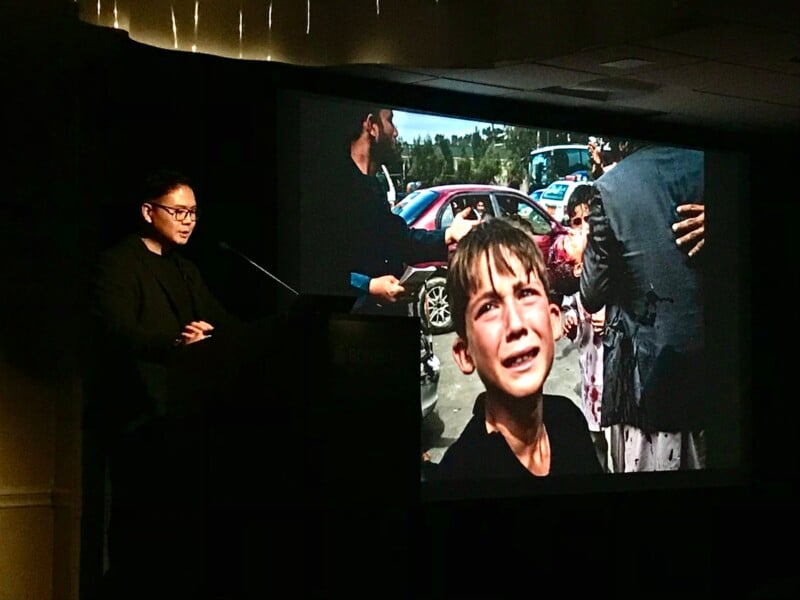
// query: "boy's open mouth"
[[520, 358]]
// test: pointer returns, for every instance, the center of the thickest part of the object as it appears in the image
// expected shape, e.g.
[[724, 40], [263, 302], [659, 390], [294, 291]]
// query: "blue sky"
[[412, 125]]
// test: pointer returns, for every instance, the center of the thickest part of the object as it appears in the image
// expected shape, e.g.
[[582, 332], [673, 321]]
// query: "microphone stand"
[[225, 246]]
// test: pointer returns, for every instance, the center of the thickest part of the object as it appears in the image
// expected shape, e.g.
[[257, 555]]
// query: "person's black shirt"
[[478, 454]]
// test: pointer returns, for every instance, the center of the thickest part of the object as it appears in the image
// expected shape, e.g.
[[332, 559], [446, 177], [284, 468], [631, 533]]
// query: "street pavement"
[[457, 392]]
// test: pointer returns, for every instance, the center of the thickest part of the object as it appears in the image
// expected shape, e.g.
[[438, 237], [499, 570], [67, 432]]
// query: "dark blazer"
[[136, 322], [651, 288]]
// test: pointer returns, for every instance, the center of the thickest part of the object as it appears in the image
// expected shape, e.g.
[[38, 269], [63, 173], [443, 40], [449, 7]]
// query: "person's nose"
[[515, 323]]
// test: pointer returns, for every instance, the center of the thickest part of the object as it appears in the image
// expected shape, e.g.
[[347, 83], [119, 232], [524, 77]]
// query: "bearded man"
[[374, 245]]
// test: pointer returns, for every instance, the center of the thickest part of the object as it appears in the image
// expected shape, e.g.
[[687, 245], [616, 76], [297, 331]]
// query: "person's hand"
[[599, 320], [691, 230], [196, 331], [570, 324], [595, 159], [460, 226], [387, 288], [575, 244]]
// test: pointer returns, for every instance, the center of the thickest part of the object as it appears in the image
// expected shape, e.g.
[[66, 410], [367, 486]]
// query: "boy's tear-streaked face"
[[510, 327]]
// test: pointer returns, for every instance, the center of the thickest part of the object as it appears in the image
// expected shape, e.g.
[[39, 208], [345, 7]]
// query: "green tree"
[[447, 173], [464, 171], [519, 142], [478, 145], [487, 168], [426, 164]]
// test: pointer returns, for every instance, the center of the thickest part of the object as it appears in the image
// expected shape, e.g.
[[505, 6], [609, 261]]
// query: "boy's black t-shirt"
[[478, 454]]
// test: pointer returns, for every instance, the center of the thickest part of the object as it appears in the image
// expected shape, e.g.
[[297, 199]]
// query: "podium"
[[320, 396], [311, 425], [289, 444]]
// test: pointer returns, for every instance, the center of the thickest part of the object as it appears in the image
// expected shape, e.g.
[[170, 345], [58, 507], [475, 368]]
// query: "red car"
[[435, 208]]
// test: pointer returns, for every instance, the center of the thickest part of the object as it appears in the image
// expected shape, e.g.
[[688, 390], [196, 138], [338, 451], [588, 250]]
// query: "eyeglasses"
[[178, 214]]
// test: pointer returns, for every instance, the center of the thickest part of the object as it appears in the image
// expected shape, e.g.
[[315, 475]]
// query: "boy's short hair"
[[491, 238]]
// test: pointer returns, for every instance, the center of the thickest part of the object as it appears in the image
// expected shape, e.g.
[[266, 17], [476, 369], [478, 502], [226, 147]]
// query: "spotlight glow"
[[174, 28]]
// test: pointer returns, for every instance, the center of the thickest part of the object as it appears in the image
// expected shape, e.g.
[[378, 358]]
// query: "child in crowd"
[[506, 326], [584, 329]]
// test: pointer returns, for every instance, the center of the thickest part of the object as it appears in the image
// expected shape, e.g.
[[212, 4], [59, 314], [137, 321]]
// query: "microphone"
[[225, 246]]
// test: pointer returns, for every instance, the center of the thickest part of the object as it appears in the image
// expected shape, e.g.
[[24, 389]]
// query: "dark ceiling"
[[730, 66]]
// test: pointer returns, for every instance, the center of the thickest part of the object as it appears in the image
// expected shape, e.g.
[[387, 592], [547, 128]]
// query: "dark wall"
[[90, 110], [84, 117]]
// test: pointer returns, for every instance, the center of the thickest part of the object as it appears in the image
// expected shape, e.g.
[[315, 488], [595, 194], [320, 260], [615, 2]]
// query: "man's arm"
[[386, 287], [426, 246], [595, 276]]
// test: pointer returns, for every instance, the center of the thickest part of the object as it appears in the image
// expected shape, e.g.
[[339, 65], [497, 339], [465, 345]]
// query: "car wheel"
[[437, 311]]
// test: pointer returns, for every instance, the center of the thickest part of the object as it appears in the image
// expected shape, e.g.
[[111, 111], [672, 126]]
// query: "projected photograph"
[[557, 277]]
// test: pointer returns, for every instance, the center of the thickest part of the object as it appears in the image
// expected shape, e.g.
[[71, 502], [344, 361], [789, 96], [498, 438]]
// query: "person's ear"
[[577, 269], [373, 126], [147, 212], [462, 357], [555, 321]]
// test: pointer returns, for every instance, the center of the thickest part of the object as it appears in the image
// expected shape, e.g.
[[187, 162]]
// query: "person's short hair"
[[158, 183], [494, 239], [356, 115], [582, 195]]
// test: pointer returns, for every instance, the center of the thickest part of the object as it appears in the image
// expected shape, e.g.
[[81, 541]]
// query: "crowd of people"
[[625, 285]]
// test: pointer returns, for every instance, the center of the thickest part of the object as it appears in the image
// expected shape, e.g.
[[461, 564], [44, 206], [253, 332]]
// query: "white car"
[[554, 197]]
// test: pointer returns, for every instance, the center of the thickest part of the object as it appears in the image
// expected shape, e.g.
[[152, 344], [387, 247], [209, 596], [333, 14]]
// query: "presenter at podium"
[[148, 305]]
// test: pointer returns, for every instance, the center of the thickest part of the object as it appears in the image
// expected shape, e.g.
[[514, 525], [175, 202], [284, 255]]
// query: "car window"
[[577, 159], [446, 217], [415, 204], [516, 205], [458, 203]]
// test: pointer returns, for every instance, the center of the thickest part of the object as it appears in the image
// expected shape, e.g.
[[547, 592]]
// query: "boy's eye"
[[484, 308], [528, 292]]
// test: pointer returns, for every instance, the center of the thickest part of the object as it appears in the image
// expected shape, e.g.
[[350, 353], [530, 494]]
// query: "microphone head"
[[223, 245]]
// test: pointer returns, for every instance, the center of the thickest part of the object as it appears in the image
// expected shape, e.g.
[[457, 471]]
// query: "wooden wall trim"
[[37, 498]]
